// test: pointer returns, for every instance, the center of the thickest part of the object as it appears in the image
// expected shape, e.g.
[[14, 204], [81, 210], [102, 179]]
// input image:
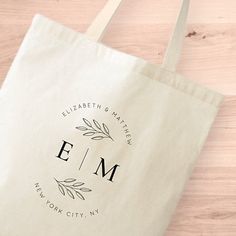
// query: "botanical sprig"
[[95, 130], [72, 188]]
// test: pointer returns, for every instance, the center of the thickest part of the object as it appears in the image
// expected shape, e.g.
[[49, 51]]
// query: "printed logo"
[[93, 131]]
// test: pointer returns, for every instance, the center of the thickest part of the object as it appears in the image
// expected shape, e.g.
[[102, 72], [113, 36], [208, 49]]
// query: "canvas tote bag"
[[95, 141]]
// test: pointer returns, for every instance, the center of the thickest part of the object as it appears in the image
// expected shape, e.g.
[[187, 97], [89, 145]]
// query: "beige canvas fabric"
[[95, 141]]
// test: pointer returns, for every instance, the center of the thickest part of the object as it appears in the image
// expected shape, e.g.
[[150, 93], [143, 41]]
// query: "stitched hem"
[[43, 26]]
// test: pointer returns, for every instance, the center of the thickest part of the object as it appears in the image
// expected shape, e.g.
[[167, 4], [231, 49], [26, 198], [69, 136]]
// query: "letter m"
[[104, 172]]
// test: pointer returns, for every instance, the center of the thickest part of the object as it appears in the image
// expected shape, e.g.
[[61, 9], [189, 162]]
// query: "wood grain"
[[142, 28]]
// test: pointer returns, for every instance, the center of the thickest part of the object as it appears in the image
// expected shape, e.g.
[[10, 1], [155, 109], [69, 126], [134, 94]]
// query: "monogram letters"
[[64, 155]]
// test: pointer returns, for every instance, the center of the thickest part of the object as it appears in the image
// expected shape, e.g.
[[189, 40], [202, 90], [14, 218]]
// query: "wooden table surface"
[[142, 28]]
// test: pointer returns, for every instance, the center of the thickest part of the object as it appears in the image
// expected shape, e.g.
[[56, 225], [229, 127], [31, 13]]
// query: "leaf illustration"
[[95, 129], [72, 188], [89, 133], [105, 129], [70, 193], [61, 189], [87, 122], [80, 195], [97, 124], [77, 184], [69, 180], [97, 137], [85, 189], [82, 128]]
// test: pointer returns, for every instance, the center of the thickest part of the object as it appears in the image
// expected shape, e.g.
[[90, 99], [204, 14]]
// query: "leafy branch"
[[72, 188], [95, 130]]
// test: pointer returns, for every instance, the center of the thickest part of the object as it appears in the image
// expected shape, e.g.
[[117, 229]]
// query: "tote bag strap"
[[98, 27], [174, 47]]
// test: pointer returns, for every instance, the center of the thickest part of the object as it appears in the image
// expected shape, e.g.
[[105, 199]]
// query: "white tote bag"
[[95, 141]]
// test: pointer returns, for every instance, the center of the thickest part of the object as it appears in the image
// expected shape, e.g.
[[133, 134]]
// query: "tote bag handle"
[[98, 27]]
